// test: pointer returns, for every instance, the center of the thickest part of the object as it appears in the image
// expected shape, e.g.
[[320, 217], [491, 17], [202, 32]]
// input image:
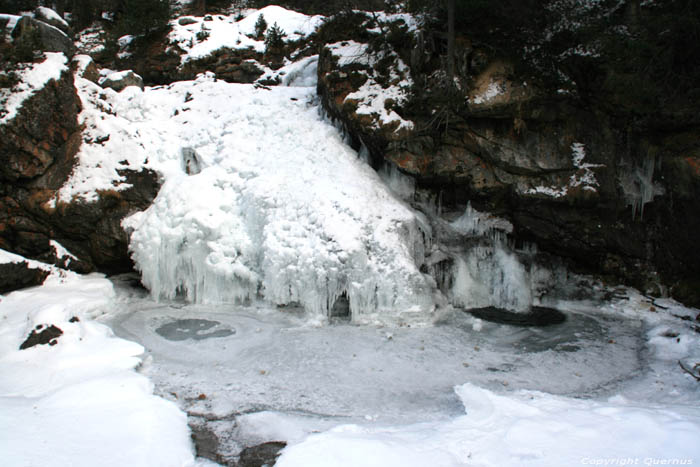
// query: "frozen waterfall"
[[262, 199], [282, 210]]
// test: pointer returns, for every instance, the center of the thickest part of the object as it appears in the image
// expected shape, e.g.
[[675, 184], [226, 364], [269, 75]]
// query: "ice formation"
[[491, 276], [638, 185], [282, 209], [474, 266]]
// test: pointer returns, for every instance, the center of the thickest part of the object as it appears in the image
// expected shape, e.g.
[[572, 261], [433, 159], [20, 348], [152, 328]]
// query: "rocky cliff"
[[571, 177], [40, 135]]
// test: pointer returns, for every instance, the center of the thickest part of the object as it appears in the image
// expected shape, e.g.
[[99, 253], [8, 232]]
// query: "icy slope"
[[261, 198]]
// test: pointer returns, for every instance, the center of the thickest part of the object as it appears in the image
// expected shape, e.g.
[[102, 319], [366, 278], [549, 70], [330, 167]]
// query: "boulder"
[[85, 67], [121, 79], [50, 17], [37, 35], [185, 20]]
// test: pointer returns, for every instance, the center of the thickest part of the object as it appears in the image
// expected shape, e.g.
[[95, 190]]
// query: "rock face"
[[571, 179], [37, 149]]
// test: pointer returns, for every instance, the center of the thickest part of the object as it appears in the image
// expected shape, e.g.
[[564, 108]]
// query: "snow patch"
[[51, 15], [200, 38]]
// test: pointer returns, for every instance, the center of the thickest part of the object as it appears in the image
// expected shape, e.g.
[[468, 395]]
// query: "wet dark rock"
[[15, 276], [185, 20], [206, 443], [264, 454], [536, 316], [42, 335]]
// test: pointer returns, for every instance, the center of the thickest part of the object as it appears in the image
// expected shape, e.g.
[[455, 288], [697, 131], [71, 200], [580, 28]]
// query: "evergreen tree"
[[260, 26], [274, 40]]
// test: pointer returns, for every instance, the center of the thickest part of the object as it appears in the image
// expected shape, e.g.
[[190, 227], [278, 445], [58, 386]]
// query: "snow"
[[273, 221], [350, 52], [604, 384], [295, 25], [493, 90], [523, 428], [32, 79], [79, 402], [224, 31], [91, 40], [51, 15], [261, 198], [282, 226]]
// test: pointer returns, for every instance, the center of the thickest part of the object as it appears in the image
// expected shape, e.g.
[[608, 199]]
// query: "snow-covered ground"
[[200, 36], [78, 401], [605, 384]]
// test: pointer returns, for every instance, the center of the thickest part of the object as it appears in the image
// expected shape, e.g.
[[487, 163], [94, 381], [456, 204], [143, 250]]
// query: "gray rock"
[[185, 20], [40, 36], [50, 17], [121, 80]]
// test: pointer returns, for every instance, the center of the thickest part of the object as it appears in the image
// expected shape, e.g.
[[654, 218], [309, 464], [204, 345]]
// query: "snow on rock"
[[78, 401], [51, 17], [119, 80], [584, 176], [282, 208], [372, 98], [522, 428], [91, 40], [62, 254], [32, 78], [198, 37]]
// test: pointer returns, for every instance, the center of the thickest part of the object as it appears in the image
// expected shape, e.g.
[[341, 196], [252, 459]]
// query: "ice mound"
[[282, 209]]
